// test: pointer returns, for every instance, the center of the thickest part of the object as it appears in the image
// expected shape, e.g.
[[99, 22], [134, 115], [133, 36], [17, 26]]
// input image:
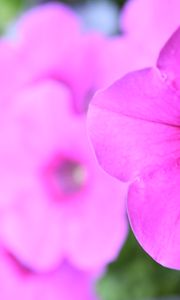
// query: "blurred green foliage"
[[135, 276], [8, 11]]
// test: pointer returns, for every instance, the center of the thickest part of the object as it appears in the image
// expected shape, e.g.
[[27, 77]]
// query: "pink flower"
[[150, 22], [52, 43], [66, 283], [56, 202], [134, 127], [120, 55], [146, 25]]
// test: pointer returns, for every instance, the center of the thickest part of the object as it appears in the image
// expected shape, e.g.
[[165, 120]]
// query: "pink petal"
[[30, 229], [151, 22], [79, 68], [66, 283], [37, 116], [168, 61], [10, 62], [49, 25], [120, 55], [153, 207], [98, 226], [70, 56], [133, 124], [44, 34], [32, 22]]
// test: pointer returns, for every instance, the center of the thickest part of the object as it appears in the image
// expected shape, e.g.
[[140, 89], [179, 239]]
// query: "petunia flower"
[[134, 127], [66, 283], [56, 202]]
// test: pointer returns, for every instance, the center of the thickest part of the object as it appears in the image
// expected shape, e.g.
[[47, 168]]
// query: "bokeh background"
[[133, 275]]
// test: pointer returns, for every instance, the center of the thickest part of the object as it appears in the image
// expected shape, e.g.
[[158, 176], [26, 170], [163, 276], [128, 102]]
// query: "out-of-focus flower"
[[146, 24], [134, 126], [54, 44], [56, 202], [66, 283], [120, 55], [150, 22]]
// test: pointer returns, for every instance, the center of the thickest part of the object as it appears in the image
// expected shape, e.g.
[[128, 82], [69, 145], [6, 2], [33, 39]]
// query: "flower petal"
[[98, 227], [43, 115], [169, 57], [134, 123], [16, 284], [154, 213], [151, 22], [30, 229], [44, 34], [48, 22], [117, 59], [69, 53], [12, 73]]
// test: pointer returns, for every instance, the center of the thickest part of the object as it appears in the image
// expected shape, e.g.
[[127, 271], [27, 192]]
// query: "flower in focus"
[[17, 282], [134, 127], [56, 202]]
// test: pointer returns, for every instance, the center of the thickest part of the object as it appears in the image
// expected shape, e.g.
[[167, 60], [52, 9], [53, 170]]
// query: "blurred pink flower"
[[54, 44], [134, 127], [150, 22], [57, 203], [62, 203], [146, 25], [66, 283], [119, 55]]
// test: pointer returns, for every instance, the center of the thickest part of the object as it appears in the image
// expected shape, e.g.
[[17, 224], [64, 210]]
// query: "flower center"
[[70, 176], [65, 177]]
